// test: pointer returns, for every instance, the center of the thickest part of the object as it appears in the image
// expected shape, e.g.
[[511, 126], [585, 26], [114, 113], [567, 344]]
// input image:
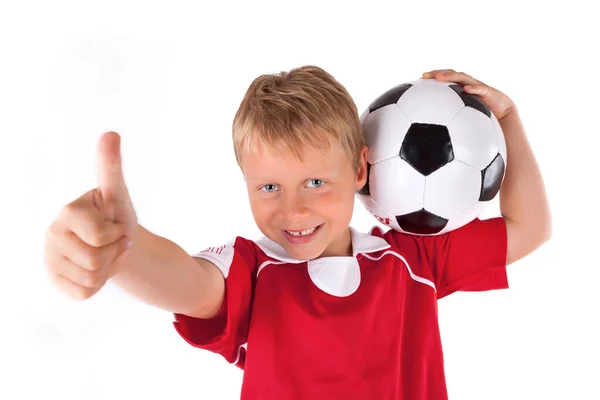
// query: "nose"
[[295, 208]]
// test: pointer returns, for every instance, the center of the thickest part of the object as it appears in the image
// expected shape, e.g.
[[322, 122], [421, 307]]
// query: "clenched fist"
[[91, 233]]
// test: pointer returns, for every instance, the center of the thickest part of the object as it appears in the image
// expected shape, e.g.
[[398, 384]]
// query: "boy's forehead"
[[261, 161], [298, 153]]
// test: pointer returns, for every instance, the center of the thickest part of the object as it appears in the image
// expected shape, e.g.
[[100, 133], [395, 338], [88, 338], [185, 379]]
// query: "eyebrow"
[[312, 175]]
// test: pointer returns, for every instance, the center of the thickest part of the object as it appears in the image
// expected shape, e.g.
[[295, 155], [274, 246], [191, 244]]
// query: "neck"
[[341, 246]]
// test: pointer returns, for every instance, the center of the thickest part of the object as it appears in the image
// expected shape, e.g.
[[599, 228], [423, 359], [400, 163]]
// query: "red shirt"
[[360, 327]]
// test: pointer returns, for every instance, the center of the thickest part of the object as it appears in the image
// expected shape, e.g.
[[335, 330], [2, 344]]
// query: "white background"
[[169, 79]]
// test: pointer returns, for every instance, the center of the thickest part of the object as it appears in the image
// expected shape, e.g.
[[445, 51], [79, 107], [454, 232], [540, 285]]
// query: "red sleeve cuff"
[[480, 245], [208, 334], [491, 279]]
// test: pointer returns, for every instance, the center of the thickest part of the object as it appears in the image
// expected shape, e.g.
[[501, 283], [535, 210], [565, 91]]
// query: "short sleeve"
[[471, 258], [227, 333]]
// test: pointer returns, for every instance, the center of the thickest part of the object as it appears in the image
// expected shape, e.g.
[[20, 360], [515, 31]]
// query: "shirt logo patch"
[[221, 256]]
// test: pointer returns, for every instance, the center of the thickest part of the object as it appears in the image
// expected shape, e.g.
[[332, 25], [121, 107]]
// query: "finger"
[[476, 89], [435, 72], [112, 185], [88, 257], [78, 275], [480, 90], [72, 289], [87, 223], [453, 76]]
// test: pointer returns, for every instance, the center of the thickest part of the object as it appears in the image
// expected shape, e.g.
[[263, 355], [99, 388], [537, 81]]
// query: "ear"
[[361, 174]]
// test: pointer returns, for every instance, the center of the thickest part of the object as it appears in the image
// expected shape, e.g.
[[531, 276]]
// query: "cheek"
[[337, 204], [261, 210]]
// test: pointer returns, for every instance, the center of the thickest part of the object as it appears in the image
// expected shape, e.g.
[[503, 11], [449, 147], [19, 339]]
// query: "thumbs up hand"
[[92, 233]]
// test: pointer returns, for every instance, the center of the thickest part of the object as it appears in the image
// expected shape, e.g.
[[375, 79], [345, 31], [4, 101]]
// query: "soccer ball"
[[437, 157]]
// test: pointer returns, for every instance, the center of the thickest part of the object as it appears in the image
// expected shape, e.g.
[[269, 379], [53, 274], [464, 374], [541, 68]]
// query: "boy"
[[314, 309]]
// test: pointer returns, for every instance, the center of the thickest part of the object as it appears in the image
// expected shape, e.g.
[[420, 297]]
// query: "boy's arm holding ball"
[[523, 201], [87, 245]]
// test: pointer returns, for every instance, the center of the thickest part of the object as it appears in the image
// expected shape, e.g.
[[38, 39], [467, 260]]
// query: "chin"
[[304, 254]]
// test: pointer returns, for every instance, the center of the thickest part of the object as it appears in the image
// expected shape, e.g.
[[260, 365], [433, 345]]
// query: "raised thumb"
[[111, 182]]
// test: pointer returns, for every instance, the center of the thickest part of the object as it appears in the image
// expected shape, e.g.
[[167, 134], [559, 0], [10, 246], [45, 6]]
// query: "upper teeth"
[[303, 233]]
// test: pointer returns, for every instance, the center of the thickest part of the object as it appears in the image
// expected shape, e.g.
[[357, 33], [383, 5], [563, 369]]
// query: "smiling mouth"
[[304, 232]]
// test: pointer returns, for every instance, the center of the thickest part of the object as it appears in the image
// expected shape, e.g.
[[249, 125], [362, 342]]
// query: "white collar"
[[361, 243]]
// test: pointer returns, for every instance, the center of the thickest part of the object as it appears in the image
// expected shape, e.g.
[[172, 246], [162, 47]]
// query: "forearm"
[[523, 197], [160, 273]]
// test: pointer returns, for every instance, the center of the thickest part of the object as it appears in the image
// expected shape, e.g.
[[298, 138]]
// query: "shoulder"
[[411, 249], [400, 241], [474, 229], [234, 253]]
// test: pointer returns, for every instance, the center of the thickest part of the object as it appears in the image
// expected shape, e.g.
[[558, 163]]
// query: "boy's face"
[[305, 206]]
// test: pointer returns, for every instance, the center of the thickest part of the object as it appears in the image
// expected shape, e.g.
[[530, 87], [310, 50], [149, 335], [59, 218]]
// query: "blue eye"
[[316, 182], [268, 188]]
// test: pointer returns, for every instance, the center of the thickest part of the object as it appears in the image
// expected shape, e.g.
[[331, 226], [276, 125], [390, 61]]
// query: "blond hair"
[[304, 106]]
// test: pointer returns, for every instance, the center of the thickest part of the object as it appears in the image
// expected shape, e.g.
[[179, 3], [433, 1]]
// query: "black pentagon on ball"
[[421, 222], [427, 147], [491, 178], [471, 100], [390, 97], [365, 189]]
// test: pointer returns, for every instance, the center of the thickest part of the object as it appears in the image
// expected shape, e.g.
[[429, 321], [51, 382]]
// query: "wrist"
[[511, 115]]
